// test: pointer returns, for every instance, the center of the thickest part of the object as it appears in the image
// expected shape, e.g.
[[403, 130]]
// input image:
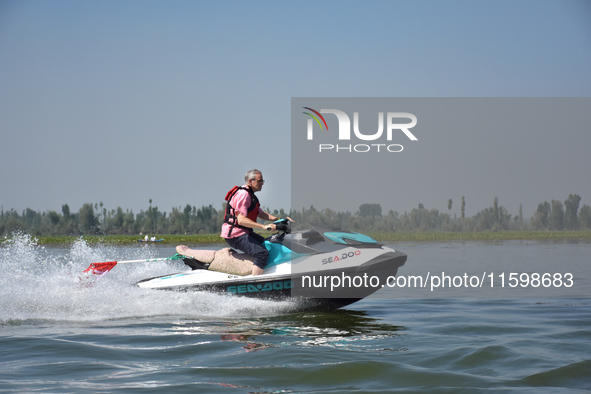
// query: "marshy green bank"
[[379, 236]]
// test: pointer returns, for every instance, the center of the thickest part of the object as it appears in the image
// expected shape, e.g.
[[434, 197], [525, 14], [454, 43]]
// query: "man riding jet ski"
[[242, 211], [322, 267]]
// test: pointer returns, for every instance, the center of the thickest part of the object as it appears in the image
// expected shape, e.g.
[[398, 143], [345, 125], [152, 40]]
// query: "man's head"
[[254, 179]]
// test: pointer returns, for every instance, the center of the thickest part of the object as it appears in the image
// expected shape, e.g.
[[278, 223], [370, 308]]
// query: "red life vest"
[[252, 212]]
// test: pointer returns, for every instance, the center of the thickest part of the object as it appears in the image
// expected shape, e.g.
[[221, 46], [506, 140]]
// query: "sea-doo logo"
[[343, 257], [344, 132], [250, 288]]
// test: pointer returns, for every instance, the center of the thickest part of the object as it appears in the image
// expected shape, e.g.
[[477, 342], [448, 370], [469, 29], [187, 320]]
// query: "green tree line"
[[96, 219], [555, 216]]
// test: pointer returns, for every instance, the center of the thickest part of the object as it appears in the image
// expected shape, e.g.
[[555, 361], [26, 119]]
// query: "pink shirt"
[[240, 202]]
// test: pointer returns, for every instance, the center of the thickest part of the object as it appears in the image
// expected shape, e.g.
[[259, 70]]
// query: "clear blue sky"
[[122, 101]]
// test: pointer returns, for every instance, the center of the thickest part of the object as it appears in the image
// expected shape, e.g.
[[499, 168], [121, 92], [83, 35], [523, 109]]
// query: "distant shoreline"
[[177, 239]]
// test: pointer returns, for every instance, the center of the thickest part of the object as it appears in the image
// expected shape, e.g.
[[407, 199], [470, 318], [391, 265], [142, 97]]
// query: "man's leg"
[[252, 244], [256, 270]]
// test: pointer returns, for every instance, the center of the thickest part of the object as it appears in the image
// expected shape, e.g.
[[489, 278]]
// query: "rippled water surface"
[[59, 334]]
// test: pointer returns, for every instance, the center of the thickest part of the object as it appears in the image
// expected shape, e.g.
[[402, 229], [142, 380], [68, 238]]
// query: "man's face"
[[256, 184]]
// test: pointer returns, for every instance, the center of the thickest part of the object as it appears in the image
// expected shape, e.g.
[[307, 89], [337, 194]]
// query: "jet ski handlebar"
[[283, 225]]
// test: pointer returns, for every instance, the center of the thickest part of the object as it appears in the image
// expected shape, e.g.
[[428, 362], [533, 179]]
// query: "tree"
[[541, 219], [585, 217], [54, 217], [129, 223], [485, 219], [557, 216], [187, 215], [119, 218], [463, 207], [369, 210], [496, 217], [570, 215], [449, 204], [88, 222]]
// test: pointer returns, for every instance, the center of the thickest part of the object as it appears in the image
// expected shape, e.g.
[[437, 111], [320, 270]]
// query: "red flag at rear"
[[101, 268]]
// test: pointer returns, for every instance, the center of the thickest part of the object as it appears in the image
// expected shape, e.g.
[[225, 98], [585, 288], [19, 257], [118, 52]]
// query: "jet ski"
[[321, 267]]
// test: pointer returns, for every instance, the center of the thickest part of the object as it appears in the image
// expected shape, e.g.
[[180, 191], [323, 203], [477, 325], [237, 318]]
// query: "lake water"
[[60, 335]]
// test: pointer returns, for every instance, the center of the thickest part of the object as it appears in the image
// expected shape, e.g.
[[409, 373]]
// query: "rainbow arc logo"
[[315, 118]]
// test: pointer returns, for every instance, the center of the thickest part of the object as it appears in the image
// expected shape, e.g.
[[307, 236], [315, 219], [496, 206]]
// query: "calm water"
[[60, 335]]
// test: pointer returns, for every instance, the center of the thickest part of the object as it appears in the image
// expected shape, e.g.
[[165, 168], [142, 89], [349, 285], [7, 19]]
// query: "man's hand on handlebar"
[[280, 225]]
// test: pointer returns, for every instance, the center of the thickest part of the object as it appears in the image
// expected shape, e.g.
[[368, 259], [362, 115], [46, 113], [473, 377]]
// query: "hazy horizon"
[[122, 102]]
